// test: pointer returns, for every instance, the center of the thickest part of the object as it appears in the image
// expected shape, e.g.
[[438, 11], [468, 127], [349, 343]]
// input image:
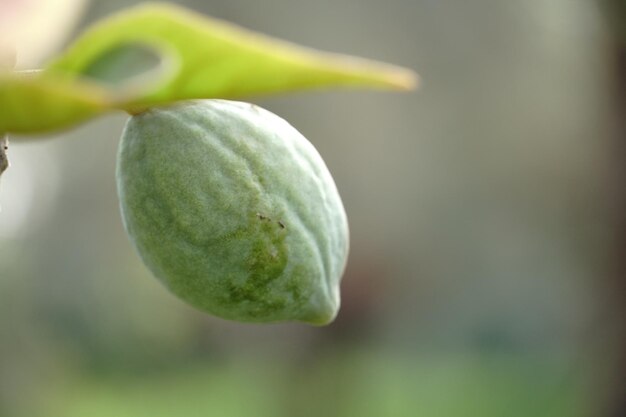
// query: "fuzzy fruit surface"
[[234, 210]]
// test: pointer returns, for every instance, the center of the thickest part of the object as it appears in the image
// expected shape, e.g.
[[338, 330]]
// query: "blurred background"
[[486, 275]]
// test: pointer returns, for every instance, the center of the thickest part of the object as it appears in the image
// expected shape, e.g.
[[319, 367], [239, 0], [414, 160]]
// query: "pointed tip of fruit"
[[323, 309], [320, 319]]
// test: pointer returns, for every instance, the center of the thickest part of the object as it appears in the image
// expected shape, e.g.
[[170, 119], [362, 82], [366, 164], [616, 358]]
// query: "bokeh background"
[[485, 277]]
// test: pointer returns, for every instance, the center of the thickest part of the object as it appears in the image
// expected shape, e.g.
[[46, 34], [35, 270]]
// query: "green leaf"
[[219, 60], [37, 101], [31, 103], [159, 53], [127, 64]]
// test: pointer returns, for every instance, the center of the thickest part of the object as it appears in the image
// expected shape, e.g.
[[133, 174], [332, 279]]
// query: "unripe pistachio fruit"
[[234, 210]]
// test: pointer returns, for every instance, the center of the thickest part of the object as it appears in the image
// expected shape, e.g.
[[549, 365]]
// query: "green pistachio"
[[234, 210]]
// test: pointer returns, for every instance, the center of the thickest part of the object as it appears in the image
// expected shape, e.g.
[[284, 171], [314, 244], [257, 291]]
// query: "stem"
[[4, 145]]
